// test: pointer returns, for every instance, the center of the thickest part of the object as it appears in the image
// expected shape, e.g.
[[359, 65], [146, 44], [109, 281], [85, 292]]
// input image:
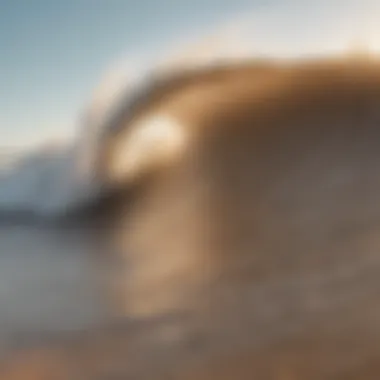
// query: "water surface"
[[49, 281]]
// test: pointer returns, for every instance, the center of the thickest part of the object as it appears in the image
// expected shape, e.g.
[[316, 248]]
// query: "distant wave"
[[52, 180]]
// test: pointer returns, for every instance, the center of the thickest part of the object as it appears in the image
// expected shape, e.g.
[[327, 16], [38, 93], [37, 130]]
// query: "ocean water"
[[50, 281]]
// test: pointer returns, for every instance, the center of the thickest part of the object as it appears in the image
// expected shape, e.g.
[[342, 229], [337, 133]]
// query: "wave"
[[52, 180]]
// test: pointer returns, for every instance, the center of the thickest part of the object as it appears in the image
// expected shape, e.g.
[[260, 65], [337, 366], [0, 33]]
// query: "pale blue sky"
[[52, 52]]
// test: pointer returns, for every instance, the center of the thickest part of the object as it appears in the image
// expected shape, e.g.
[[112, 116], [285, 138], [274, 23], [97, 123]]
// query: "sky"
[[53, 52]]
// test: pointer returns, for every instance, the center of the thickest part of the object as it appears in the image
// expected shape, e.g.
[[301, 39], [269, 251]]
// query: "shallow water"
[[49, 281]]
